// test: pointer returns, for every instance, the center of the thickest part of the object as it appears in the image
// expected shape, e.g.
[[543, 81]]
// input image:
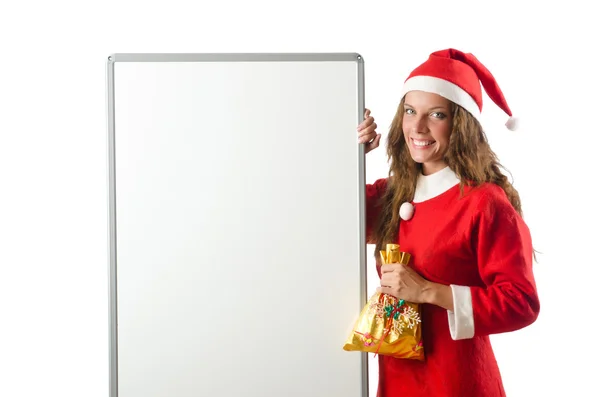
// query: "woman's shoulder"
[[486, 190], [378, 187], [381, 182], [374, 192], [488, 197]]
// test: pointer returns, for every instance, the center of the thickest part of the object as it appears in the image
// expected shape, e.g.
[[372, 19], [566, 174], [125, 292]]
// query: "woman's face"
[[427, 124]]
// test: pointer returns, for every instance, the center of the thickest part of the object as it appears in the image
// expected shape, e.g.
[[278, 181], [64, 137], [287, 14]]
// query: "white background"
[[53, 157]]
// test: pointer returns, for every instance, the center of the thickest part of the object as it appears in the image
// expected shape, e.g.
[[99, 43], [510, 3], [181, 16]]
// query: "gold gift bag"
[[386, 325]]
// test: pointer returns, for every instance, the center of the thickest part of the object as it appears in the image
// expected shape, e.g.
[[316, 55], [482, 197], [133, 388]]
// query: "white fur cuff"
[[462, 325]]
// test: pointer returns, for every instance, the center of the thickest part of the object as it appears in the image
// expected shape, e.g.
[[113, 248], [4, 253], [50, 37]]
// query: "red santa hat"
[[458, 77]]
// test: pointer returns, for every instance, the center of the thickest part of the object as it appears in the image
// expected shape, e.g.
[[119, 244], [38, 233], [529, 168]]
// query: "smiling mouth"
[[420, 143]]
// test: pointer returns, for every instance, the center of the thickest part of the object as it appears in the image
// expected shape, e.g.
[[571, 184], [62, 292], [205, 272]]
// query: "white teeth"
[[423, 143]]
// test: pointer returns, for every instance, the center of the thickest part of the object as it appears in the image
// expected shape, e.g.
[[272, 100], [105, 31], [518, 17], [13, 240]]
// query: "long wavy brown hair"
[[469, 155]]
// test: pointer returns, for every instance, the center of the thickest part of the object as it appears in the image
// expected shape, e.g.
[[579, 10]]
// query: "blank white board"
[[237, 246]]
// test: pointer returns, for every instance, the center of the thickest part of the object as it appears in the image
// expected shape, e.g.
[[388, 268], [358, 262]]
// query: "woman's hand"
[[367, 133], [404, 283]]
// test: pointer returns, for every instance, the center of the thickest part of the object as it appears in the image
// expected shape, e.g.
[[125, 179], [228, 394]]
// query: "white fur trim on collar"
[[430, 186]]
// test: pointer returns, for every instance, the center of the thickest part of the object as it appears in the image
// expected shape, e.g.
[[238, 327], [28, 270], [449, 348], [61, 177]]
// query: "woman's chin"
[[418, 158]]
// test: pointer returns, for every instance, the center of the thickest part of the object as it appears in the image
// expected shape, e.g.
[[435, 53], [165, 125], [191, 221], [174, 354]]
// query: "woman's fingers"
[[374, 144]]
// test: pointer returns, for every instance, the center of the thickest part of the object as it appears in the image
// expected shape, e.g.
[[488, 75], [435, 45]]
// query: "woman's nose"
[[419, 125]]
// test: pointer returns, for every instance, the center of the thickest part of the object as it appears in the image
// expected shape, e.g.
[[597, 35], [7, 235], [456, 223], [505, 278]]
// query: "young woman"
[[447, 203]]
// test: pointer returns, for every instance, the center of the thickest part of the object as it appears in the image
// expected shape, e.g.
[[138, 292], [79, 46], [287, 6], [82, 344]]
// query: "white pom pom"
[[512, 123], [406, 211]]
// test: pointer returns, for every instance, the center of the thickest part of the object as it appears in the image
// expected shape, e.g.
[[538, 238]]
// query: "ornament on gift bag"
[[386, 325]]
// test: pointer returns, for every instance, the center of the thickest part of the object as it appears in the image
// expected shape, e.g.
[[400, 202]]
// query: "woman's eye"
[[438, 115], [409, 111]]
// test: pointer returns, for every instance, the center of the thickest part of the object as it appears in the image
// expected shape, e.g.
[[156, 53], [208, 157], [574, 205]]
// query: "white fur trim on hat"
[[443, 88]]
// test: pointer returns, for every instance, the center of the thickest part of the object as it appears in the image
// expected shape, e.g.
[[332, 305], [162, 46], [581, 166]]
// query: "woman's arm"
[[508, 301], [374, 192], [439, 295]]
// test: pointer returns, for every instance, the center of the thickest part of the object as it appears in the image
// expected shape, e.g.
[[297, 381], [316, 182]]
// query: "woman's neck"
[[432, 168]]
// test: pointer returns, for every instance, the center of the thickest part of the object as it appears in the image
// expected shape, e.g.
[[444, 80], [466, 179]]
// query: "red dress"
[[479, 245]]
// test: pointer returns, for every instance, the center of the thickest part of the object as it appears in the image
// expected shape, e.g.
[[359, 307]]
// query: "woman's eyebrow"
[[432, 108]]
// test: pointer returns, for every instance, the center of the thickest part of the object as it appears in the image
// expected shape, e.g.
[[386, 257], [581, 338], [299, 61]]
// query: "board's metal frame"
[[216, 57]]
